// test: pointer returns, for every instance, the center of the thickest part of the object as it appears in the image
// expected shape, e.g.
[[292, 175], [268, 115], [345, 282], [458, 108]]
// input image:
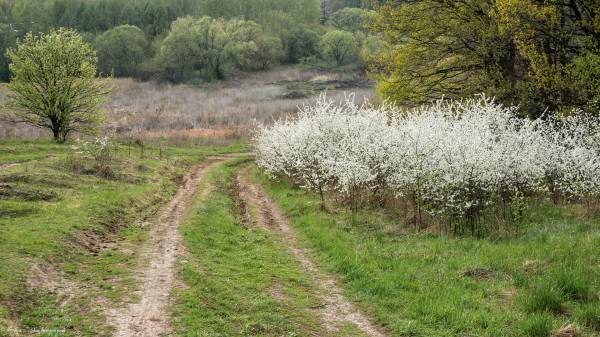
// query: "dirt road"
[[156, 275], [336, 309]]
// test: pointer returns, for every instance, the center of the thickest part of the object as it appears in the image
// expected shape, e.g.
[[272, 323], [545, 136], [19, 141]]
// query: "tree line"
[[136, 37]]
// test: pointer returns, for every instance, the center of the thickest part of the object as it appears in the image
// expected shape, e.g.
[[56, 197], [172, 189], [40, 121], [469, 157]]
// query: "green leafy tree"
[[523, 52], [54, 84], [339, 47], [121, 50], [30, 15], [302, 42], [351, 19], [249, 47], [269, 51], [371, 46], [8, 38], [194, 47], [212, 48]]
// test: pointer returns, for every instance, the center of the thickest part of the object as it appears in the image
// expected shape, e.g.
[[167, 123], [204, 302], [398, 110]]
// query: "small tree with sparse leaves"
[[54, 85]]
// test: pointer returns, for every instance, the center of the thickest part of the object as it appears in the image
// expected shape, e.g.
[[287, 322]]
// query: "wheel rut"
[[336, 310], [156, 275]]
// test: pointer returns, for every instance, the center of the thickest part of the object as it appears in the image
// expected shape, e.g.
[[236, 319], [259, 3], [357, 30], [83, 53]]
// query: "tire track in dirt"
[[336, 309], [150, 317]]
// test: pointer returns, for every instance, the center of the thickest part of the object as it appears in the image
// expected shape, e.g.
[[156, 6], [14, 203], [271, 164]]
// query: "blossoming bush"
[[451, 159], [98, 149]]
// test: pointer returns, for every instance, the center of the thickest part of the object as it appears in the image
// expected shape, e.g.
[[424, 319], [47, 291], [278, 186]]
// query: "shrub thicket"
[[454, 160]]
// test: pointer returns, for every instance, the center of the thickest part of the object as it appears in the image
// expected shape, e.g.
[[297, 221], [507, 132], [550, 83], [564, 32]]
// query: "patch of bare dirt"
[[507, 295], [276, 291], [568, 330], [43, 277], [93, 242], [336, 309], [150, 316], [7, 166], [480, 274]]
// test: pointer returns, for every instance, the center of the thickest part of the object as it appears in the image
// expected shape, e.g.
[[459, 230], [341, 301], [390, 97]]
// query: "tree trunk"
[[322, 206], [57, 135]]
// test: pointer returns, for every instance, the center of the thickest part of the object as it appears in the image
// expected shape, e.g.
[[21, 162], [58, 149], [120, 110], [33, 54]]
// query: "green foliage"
[[54, 84], [261, 11], [371, 46], [339, 47], [154, 17], [523, 52], [301, 42], [249, 48], [121, 50], [351, 19], [212, 48], [8, 39]]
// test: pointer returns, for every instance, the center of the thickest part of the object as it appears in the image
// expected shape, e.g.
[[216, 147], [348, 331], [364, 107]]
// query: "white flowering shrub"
[[98, 149], [450, 158]]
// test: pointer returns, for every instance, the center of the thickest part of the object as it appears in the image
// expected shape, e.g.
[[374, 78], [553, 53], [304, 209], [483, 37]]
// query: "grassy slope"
[[415, 284], [49, 232], [231, 270]]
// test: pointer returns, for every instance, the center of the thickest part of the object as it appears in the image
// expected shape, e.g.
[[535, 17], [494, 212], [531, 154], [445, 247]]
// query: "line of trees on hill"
[[181, 40]]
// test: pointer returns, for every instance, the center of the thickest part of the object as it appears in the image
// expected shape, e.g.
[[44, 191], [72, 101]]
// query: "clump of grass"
[[589, 314], [537, 325], [573, 284], [543, 297]]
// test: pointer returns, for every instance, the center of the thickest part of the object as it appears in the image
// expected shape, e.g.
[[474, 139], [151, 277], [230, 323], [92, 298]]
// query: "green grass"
[[53, 216], [13, 151], [537, 325], [418, 284], [231, 270]]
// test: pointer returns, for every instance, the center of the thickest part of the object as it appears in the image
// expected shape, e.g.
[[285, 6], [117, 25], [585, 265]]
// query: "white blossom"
[[450, 156]]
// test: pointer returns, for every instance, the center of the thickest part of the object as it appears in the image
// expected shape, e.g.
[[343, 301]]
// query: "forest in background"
[[183, 40]]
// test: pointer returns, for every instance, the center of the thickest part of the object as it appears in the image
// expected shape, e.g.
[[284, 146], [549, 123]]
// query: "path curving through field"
[[336, 309], [156, 275]]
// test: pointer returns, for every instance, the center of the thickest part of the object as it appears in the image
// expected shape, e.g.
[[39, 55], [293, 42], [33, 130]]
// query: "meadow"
[[217, 112]]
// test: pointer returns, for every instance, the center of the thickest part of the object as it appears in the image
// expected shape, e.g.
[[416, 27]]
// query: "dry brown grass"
[[155, 110], [569, 330]]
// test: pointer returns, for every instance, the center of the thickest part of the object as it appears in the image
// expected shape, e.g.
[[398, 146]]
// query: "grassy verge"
[[416, 284], [69, 237], [240, 280]]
